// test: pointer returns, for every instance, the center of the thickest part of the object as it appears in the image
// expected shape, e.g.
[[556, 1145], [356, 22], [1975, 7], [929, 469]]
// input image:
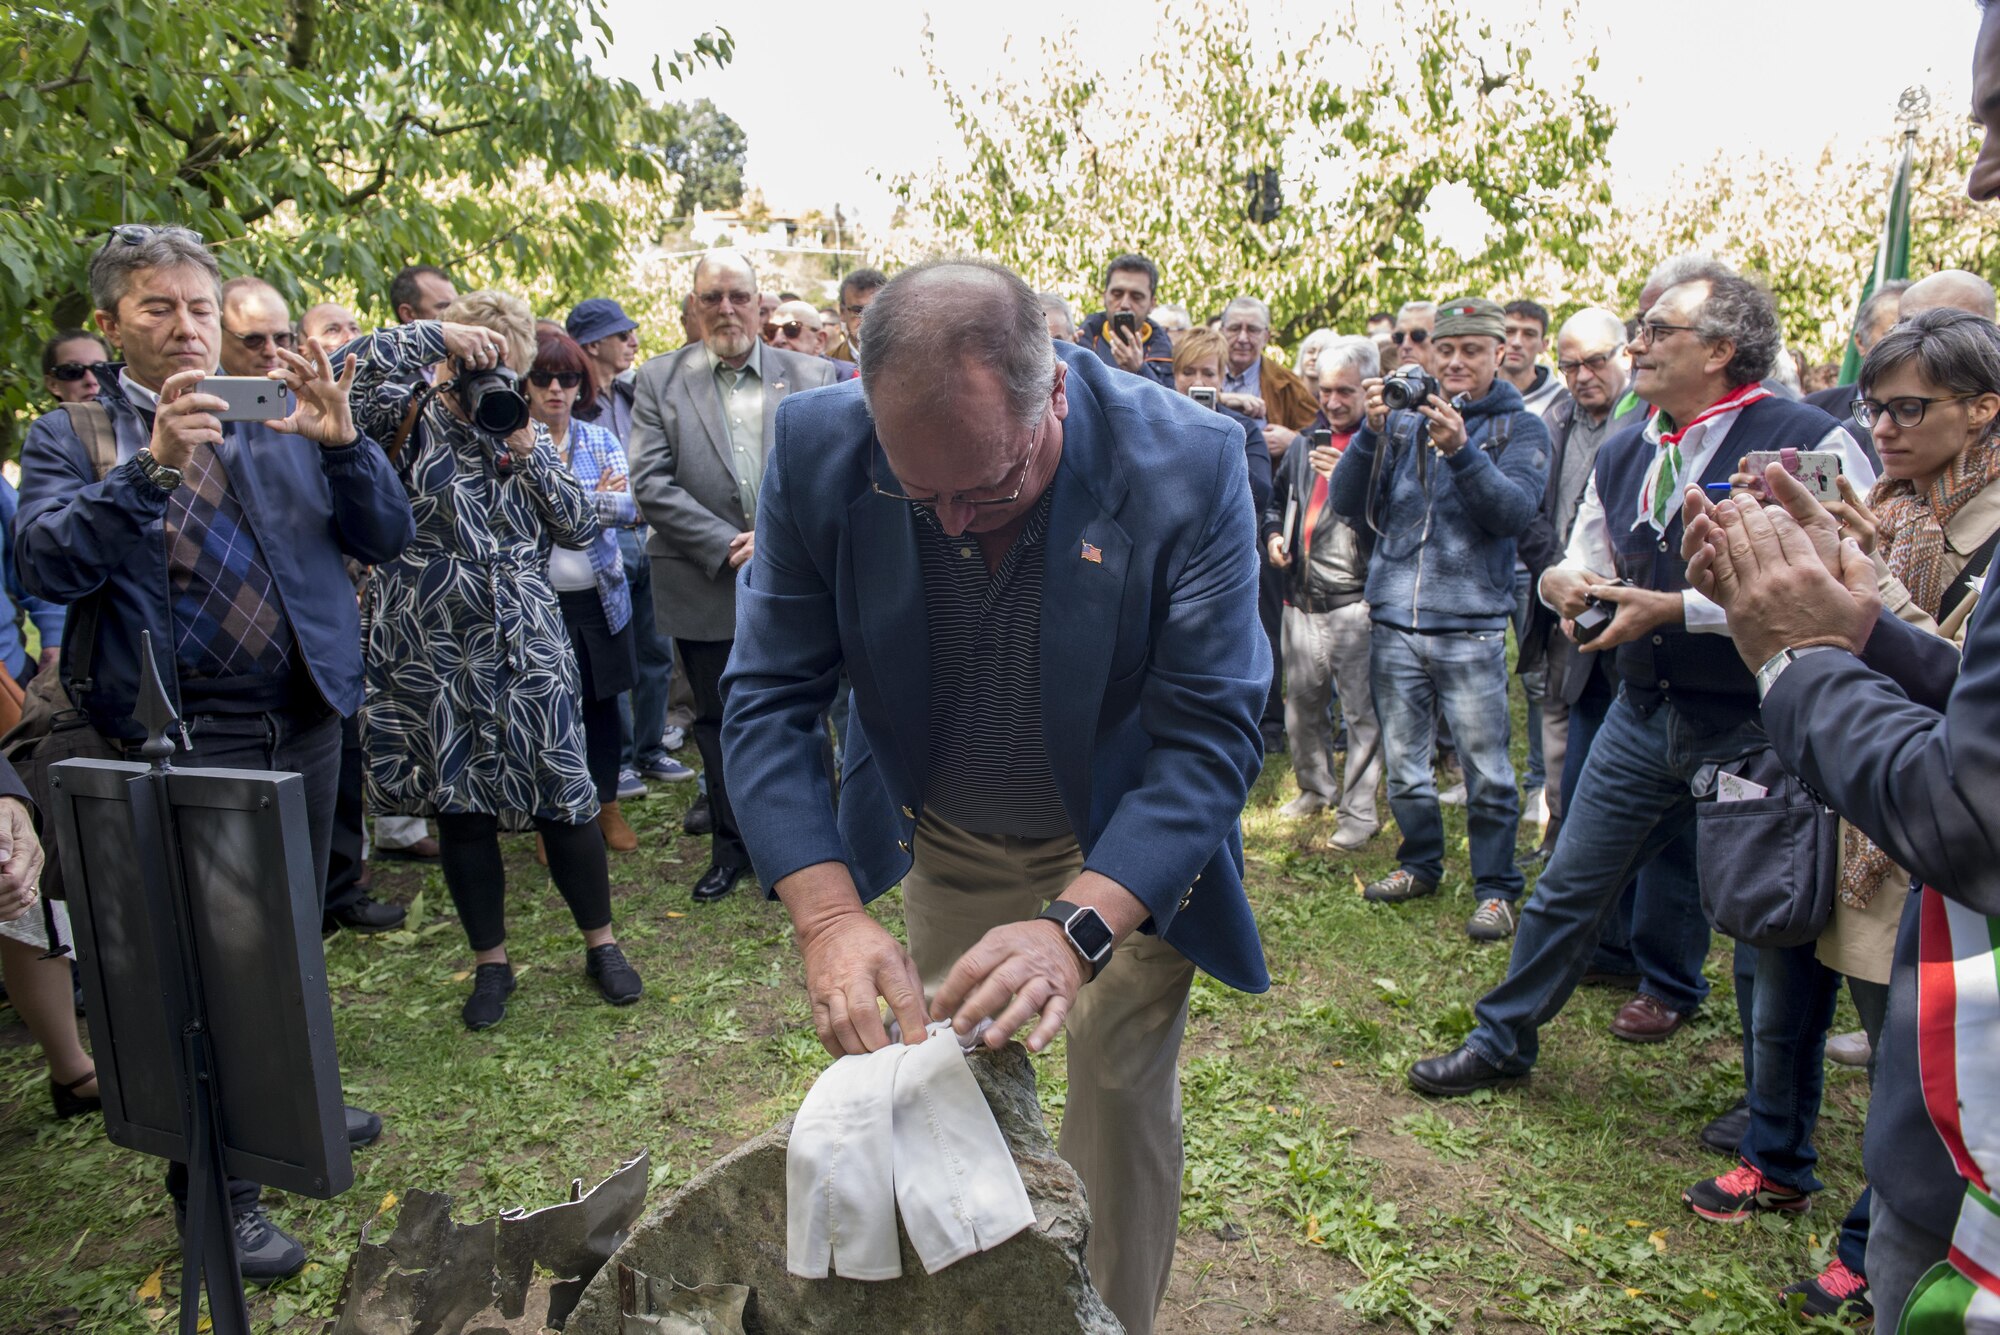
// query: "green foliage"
[[1066, 169], [323, 145], [706, 151]]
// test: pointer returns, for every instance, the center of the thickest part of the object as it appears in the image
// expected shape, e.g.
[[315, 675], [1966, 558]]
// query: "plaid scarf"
[[1910, 535]]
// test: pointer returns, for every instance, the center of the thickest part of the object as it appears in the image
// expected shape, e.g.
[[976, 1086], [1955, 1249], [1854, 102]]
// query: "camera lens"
[[493, 400]]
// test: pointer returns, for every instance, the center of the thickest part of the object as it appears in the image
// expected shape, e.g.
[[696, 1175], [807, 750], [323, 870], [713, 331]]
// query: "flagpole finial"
[[1912, 107]]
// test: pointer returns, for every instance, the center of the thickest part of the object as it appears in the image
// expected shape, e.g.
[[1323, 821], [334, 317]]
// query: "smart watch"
[[157, 473], [1085, 931]]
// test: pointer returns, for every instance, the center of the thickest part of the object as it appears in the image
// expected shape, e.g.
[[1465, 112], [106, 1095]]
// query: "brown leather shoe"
[[1646, 1019], [541, 852], [618, 836]]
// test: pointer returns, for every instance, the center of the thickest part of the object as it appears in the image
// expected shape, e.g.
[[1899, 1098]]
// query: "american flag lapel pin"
[[1092, 554]]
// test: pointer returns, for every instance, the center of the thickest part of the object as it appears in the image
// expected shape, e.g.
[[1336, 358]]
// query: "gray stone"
[[727, 1226]]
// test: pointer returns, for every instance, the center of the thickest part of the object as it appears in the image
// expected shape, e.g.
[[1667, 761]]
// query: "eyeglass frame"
[[1649, 332], [71, 372], [790, 329], [1865, 408], [714, 298], [138, 234], [1594, 363], [256, 340], [959, 498], [567, 379], [1418, 336]]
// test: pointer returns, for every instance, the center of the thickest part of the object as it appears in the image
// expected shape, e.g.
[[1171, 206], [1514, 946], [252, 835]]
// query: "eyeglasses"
[[852, 309], [1906, 411], [69, 372], [1416, 336], [960, 498], [1650, 332], [259, 342], [789, 329], [714, 300], [567, 379], [1242, 330], [1593, 364]]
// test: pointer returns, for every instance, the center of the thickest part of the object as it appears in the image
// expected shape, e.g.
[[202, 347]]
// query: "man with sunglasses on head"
[[256, 328], [227, 541], [1041, 574], [701, 429]]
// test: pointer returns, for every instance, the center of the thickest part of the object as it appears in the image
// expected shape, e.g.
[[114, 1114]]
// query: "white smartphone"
[[251, 398], [1205, 395], [1818, 469]]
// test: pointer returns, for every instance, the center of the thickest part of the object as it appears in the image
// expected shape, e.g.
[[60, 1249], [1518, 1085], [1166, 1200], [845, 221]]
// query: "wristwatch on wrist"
[[157, 473], [1775, 665], [1085, 931]]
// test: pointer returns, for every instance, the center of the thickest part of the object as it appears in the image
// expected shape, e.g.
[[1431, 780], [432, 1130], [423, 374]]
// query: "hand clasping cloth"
[[905, 1126]]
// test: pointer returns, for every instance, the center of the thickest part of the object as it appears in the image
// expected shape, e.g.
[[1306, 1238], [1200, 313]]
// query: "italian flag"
[[1892, 251]]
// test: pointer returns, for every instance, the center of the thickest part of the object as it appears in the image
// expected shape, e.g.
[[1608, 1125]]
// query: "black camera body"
[[1408, 386], [492, 398], [1597, 613]]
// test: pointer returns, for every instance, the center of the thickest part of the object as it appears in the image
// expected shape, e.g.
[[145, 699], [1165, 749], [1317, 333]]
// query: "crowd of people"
[[488, 573]]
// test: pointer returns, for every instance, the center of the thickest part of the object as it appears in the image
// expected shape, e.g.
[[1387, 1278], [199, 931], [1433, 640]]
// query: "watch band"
[[1774, 666], [157, 473], [1085, 930]]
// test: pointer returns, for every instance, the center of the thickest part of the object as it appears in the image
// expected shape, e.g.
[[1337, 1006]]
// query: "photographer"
[[473, 710], [1198, 364], [1121, 334], [1446, 473]]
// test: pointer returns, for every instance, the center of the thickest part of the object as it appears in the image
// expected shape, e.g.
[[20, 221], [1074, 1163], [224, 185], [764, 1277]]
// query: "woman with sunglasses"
[[590, 583], [69, 366]]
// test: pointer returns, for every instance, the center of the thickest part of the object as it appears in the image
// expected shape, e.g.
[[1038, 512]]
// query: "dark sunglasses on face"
[[567, 379], [1595, 363], [790, 329], [69, 372], [1416, 336], [260, 342]]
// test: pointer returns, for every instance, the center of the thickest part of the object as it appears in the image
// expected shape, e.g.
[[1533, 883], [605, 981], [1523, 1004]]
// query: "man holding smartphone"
[[224, 539], [1122, 334]]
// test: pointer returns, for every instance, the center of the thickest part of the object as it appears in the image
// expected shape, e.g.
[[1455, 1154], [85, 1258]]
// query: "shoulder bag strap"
[[92, 425], [1976, 566]]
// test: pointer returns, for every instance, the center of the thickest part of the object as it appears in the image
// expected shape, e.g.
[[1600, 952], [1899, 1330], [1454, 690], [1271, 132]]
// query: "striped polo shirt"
[[989, 768]]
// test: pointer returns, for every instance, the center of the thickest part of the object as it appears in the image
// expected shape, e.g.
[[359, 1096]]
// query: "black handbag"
[[1769, 865]]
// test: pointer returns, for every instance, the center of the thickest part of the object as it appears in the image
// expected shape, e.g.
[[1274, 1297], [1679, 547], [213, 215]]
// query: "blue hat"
[[599, 317]]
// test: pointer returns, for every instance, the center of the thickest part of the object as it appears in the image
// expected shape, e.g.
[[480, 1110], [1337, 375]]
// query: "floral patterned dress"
[[473, 700]]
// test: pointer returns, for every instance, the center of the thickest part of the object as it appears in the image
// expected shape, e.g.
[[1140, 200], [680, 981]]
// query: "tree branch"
[[305, 31]]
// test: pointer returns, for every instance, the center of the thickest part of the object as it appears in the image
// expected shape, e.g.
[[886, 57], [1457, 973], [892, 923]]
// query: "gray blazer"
[[685, 483]]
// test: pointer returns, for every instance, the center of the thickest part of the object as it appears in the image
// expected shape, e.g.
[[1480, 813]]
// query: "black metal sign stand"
[[195, 904]]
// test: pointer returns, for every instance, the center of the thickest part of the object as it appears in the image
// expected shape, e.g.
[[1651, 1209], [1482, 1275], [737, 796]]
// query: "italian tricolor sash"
[[1958, 1054]]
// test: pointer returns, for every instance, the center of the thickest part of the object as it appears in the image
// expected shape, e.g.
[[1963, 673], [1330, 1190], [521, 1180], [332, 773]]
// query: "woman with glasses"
[[590, 582], [473, 712], [69, 366]]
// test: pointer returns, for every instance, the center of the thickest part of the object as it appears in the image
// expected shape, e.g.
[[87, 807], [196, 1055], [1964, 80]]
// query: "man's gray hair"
[[1740, 311], [131, 250], [1246, 303], [1055, 303], [1678, 269], [1351, 351], [932, 320], [1429, 308], [1166, 315], [1883, 300], [710, 258], [1954, 350], [1594, 323]]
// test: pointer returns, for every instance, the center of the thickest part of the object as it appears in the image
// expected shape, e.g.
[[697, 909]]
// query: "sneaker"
[[630, 786], [1397, 886], [265, 1253], [492, 984], [615, 978], [666, 770], [1835, 1291], [1305, 804], [1349, 839], [1849, 1049], [1742, 1192], [1493, 920], [673, 739], [1453, 796]]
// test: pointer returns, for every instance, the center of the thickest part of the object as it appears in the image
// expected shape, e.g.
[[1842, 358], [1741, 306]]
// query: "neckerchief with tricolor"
[[1958, 1031], [1662, 485], [1316, 506]]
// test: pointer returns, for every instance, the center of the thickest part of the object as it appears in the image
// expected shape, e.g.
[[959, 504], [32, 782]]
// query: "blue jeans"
[[1632, 802], [643, 710], [1533, 684], [1465, 672], [1789, 1015]]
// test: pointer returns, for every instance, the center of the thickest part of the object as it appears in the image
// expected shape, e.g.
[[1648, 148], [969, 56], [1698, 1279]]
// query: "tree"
[[1350, 133], [320, 145], [706, 152]]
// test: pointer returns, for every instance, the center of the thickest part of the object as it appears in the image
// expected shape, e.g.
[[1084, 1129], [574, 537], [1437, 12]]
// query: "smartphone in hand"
[[251, 398]]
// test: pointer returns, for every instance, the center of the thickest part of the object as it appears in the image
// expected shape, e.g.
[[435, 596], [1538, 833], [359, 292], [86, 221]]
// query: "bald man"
[[255, 324], [1950, 288], [331, 323], [794, 326]]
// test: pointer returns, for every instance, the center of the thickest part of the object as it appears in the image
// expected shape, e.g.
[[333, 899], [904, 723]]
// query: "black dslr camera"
[[1408, 386], [493, 400]]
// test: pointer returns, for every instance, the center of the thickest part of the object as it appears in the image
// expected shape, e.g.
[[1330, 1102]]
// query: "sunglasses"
[[790, 329], [260, 342], [1416, 336], [69, 372], [138, 234], [567, 379], [1594, 363]]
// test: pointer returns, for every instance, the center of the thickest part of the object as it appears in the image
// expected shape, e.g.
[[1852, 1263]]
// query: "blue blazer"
[[1154, 670]]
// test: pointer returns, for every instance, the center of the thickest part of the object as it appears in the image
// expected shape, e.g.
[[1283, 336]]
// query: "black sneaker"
[[1834, 1291], [366, 916], [615, 977], [1399, 885], [265, 1253], [492, 984]]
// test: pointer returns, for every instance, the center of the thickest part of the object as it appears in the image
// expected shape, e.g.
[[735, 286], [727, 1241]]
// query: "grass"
[[1321, 1194]]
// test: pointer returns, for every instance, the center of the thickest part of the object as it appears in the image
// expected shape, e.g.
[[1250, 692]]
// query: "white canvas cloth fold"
[[840, 1194], [956, 1182]]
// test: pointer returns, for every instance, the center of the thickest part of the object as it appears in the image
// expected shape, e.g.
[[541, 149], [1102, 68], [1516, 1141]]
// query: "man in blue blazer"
[[1041, 577]]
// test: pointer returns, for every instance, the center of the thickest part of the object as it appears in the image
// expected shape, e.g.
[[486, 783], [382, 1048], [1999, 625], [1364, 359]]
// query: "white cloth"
[[1590, 547], [902, 1127], [32, 929]]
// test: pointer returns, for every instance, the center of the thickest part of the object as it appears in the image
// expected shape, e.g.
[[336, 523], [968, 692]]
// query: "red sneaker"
[[1742, 1192]]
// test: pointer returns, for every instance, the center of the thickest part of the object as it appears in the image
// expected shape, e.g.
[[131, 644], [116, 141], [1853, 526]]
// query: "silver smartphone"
[[1205, 395], [251, 398]]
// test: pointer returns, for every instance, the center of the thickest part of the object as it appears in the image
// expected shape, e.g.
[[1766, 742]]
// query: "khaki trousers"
[[1121, 1127]]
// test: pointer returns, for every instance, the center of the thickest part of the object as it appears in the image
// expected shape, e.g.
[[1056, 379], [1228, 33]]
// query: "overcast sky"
[[831, 92]]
